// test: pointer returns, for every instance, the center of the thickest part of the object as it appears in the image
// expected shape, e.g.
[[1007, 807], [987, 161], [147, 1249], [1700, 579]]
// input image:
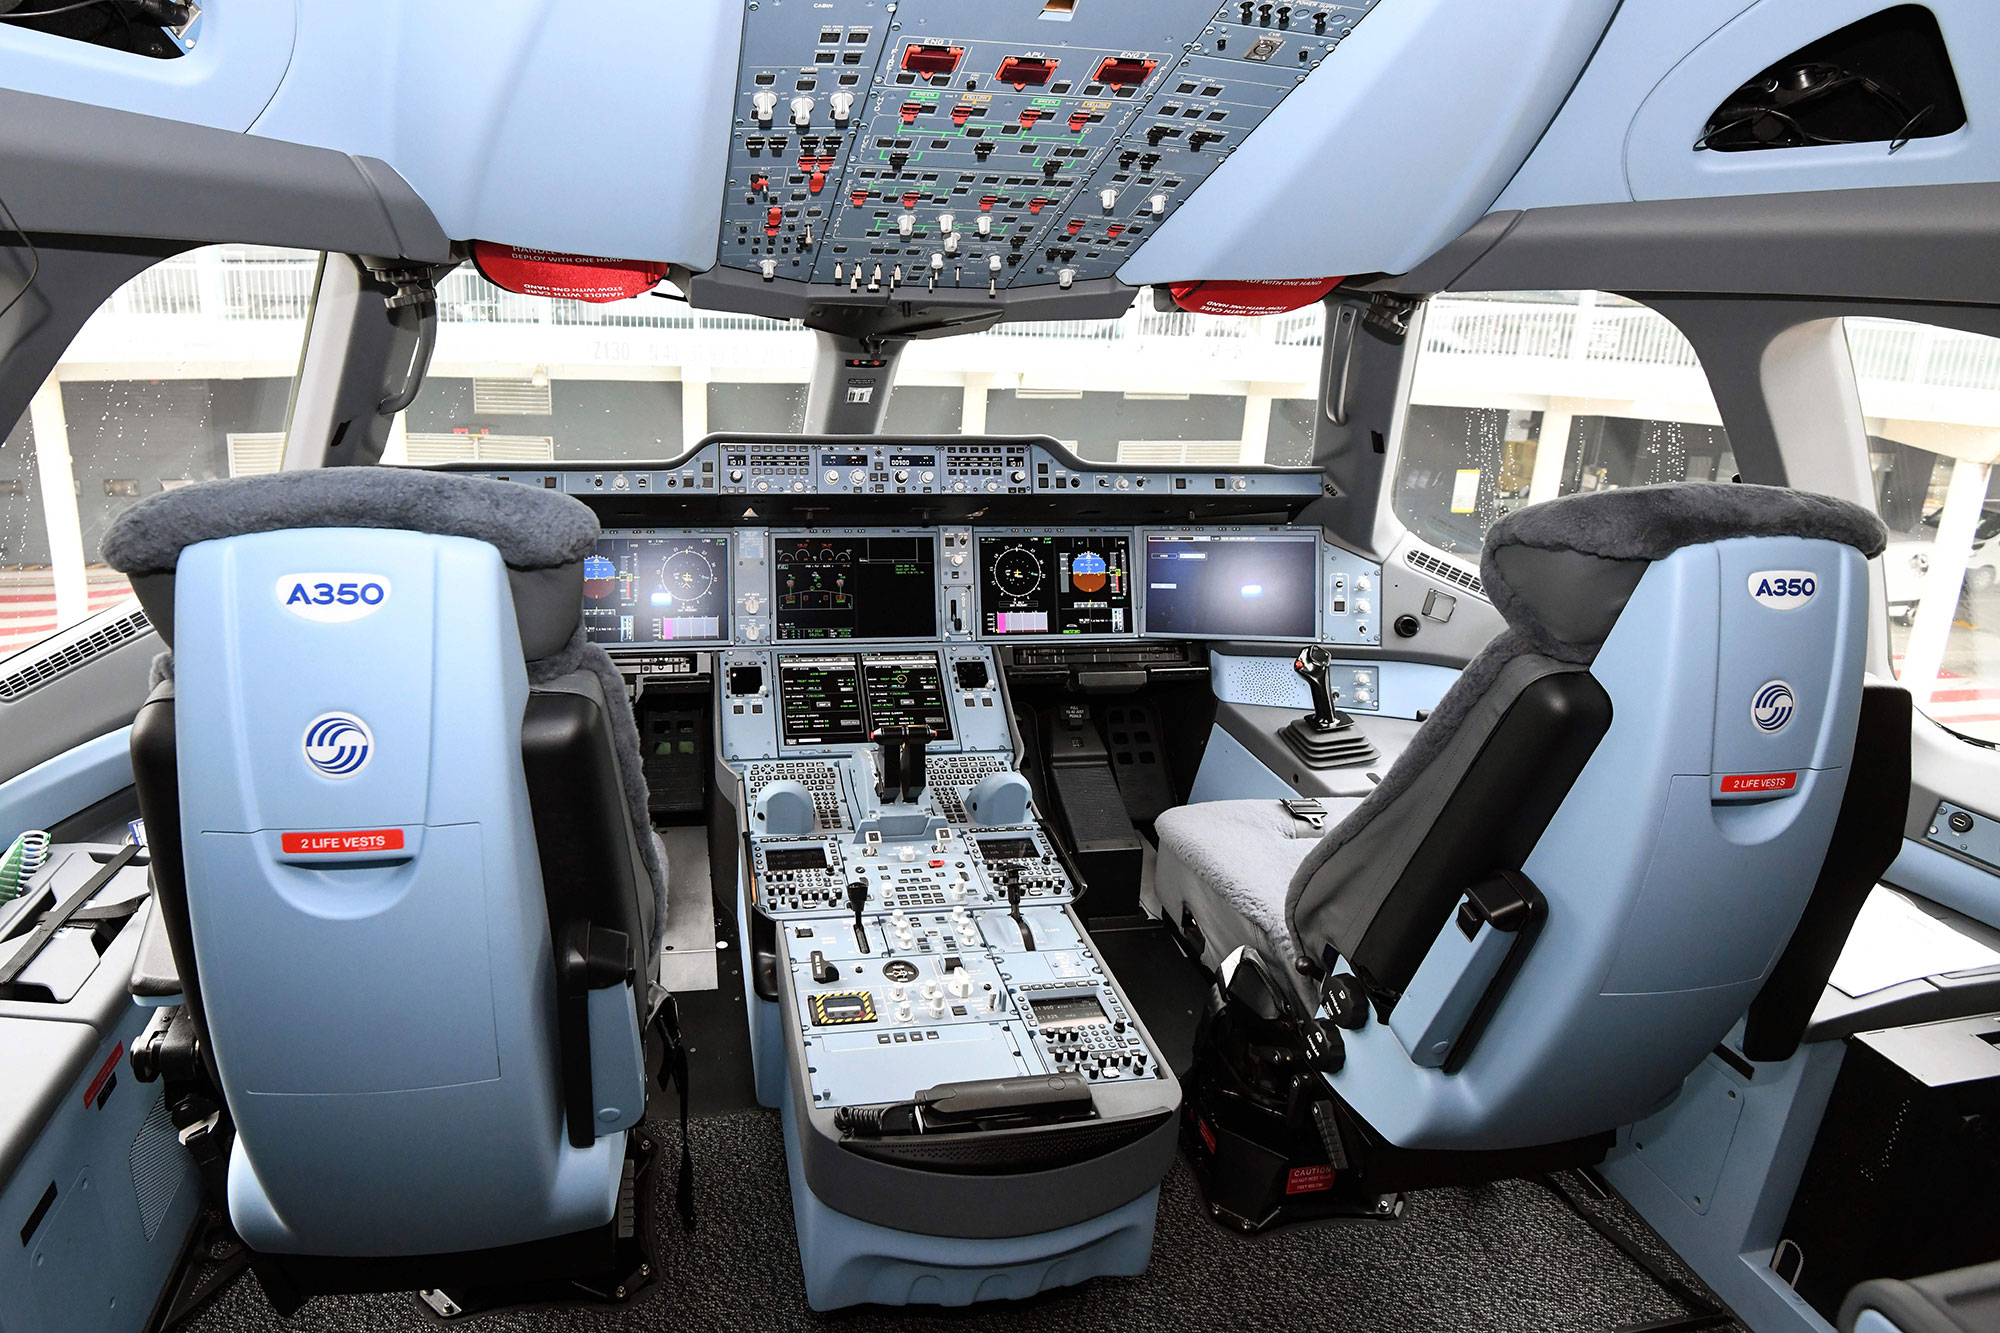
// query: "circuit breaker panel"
[[1006, 143]]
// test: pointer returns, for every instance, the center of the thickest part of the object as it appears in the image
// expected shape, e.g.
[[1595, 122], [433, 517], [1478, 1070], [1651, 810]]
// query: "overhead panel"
[[960, 145]]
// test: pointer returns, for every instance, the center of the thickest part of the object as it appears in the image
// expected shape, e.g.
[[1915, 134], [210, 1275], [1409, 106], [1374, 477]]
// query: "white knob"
[[769, 267], [1361, 606], [906, 223], [1107, 197], [765, 105], [903, 1012], [944, 223], [937, 261], [993, 263], [929, 477], [752, 604], [898, 920], [906, 853], [802, 111], [751, 632], [951, 244], [898, 992], [857, 476], [832, 476], [937, 1007], [1159, 202], [843, 106], [958, 557], [959, 986], [1065, 278], [1362, 583], [985, 225]]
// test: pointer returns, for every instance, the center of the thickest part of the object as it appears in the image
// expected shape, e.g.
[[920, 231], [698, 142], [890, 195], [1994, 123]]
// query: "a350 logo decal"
[[1772, 706], [332, 598], [338, 745], [1784, 589]]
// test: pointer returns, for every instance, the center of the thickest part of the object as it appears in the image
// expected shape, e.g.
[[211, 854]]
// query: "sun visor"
[[1274, 296], [551, 273]]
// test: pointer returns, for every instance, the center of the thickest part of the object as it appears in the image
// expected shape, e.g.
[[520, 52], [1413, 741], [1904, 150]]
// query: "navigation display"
[[856, 587], [826, 700], [1055, 584], [654, 590], [1232, 585], [819, 701], [905, 689]]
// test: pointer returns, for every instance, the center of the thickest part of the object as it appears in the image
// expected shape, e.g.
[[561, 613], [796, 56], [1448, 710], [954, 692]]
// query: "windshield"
[[526, 379]]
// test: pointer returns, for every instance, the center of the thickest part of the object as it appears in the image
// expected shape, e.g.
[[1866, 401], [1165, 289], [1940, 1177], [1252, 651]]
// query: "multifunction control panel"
[[935, 143]]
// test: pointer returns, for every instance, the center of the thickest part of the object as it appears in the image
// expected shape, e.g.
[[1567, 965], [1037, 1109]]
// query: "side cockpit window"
[[1931, 399], [184, 374], [1519, 397]]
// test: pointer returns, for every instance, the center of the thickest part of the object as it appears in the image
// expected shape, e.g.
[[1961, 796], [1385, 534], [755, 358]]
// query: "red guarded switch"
[[910, 199], [911, 110], [1030, 116], [1075, 224], [986, 202], [858, 198], [760, 183], [1077, 120], [773, 220], [960, 114], [816, 182], [1113, 230]]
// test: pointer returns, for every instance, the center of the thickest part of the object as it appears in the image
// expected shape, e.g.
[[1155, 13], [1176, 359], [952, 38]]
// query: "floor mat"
[[1502, 1257]]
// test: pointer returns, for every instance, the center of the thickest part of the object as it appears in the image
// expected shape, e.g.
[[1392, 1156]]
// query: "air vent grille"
[[1426, 563], [511, 398], [425, 449], [42, 668]]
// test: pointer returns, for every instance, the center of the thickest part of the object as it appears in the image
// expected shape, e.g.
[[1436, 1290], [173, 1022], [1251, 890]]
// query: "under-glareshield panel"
[[640, 589], [855, 587], [1233, 585], [1056, 584]]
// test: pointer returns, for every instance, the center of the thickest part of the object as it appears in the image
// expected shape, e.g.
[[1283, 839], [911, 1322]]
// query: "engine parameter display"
[[1229, 585], [856, 587], [653, 590], [905, 689], [1055, 584]]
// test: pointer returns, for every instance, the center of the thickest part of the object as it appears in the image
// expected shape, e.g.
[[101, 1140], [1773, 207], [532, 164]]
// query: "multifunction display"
[[652, 590], [1055, 584], [825, 700], [855, 587], [1226, 585]]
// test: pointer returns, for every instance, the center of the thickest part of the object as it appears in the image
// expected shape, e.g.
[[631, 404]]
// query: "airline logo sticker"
[[1783, 589], [338, 745], [1771, 707], [332, 598], [1742, 783], [350, 840]]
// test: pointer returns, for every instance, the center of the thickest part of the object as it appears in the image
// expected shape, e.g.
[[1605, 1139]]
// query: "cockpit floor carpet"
[[1497, 1258]]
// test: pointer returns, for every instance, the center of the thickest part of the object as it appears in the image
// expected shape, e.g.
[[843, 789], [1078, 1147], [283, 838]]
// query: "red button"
[[936, 864], [817, 182]]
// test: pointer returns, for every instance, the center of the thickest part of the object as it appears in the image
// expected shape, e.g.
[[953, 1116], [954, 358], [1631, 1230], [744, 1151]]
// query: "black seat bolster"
[[1867, 836], [1491, 822]]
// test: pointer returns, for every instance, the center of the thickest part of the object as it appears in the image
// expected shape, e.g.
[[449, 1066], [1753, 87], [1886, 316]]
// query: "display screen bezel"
[[724, 624], [1132, 545], [1272, 534]]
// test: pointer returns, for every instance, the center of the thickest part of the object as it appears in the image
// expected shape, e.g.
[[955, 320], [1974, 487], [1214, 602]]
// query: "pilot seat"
[[1578, 876], [404, 872]]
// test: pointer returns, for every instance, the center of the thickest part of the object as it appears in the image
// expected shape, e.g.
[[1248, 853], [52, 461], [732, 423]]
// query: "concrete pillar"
[[1256, 423], [59, 511], [694, 404], [972, 416], [1923, 655], [1545, 483]]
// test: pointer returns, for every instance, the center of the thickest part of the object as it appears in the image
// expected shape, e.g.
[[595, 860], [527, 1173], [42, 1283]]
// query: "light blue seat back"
[[1675, 868], [365, 897]]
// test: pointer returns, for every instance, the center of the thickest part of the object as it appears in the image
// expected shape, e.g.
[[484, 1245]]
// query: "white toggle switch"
[[1107, 197], [937, 261], [993, 263], [1159, 202], [802, 111], [1065, 277]]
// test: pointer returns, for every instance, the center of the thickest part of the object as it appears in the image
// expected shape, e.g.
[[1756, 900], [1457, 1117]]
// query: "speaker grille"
[[1443, 570], [157, 1165], [1269, 681]]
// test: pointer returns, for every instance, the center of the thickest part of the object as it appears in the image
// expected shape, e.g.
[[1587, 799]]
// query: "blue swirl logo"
[[338, 745], [1772, 706]]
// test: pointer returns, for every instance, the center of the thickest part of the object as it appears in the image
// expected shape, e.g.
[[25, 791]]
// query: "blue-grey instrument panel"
[[933, 143], [661, 587]]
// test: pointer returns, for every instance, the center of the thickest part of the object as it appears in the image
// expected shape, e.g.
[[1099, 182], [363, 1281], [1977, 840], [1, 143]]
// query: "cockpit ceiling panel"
[[993, 146]]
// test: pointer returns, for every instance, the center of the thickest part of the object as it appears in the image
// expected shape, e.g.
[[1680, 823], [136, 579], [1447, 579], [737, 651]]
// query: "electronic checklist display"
[[1055, 584], [1232, 585], [825, 700], [855, 587], [652, 589]]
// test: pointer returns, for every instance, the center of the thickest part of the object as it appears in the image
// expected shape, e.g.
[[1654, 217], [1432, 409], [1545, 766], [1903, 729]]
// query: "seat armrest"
[[617, 1061], [1465, 967], [155, 978]]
